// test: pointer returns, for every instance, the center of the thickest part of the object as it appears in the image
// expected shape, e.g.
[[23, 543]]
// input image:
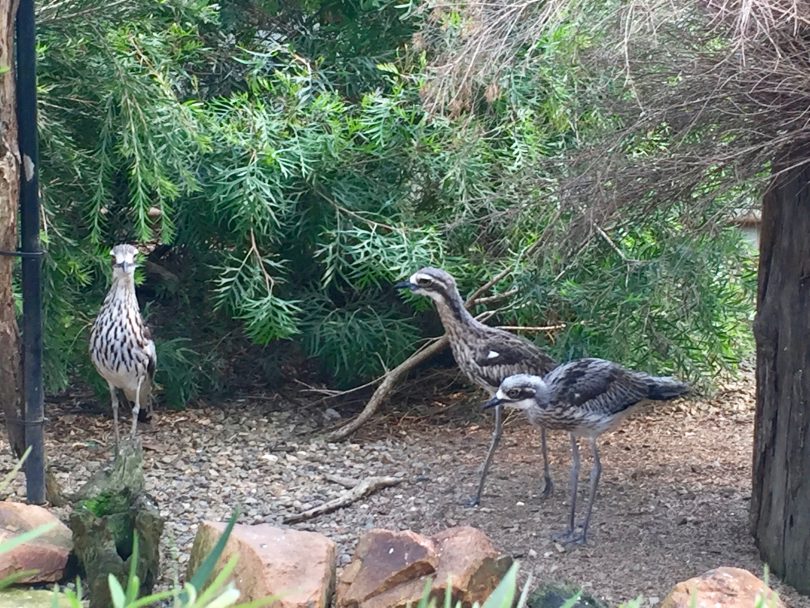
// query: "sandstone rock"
[[471, 562], [390, 569], [30, 598], [721, 588], [388, 559], [48, 554], [298, 566]]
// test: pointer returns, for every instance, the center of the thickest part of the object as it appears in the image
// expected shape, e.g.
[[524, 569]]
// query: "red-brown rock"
[[298, 566], [47, 555], [721, 588], [472, 562], [390, 569], [390, 559]]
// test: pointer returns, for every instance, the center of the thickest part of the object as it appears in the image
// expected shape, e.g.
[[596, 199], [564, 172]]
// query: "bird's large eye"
[[423, 281], [513, 393]]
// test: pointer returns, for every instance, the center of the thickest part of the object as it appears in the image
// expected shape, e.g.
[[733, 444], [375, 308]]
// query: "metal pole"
[[31, 253]]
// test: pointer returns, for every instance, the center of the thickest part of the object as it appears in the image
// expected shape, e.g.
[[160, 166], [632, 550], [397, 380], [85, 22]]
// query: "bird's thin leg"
[[548, 485], [114, 400], [596, 472], [568, 535], [136, 408], [496, 438]]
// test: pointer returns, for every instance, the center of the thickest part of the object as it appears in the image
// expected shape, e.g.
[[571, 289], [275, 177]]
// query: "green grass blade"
[[12, 543], [524, 595], [219, 582], [504, 593], [15, 577], [117, 596], [227, 598], [262, 602], [148, 600], [571, 601], [133, 583], [14, 470], [207, 566]]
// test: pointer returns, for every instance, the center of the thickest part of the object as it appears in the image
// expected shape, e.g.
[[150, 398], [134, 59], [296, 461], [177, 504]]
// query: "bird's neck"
[[123, 290], [453, 314], [535, 414]]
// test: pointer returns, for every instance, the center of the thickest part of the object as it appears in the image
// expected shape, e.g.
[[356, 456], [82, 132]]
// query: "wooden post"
[[10, 372], [780, 505]]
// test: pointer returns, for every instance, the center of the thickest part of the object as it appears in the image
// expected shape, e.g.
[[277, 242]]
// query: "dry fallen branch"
[[361, 489], [390, 380]]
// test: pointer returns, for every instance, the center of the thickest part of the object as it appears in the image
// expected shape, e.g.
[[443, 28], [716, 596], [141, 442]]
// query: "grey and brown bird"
[[586, 397], [486, 355], [121, 345]]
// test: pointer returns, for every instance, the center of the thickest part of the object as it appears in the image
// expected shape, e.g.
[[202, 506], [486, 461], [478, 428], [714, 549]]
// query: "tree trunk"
[[10, 373], [780, 506]]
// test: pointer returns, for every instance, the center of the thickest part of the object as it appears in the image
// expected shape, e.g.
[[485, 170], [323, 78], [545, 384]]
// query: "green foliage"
[[105, 504], [651, 298], [181, 371], [294, 176], [337, 335]]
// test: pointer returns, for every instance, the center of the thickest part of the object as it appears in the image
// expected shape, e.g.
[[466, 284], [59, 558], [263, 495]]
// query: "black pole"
[[31, 253]]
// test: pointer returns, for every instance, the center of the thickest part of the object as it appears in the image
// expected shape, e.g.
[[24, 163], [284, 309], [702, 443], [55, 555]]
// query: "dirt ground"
[[673, 500]]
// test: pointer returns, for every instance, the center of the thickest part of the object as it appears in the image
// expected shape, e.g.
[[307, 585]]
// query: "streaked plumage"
[[586, 397], [121, 345], [486, 355]]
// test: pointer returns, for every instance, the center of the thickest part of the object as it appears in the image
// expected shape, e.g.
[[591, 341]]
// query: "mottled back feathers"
[[588, 396]]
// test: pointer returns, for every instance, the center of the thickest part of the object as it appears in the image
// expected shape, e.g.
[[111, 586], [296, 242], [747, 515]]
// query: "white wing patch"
[[493, 355]]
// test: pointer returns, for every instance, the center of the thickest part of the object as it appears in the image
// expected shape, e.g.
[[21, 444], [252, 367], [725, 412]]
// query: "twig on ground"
[[346, 482], [358, 491]]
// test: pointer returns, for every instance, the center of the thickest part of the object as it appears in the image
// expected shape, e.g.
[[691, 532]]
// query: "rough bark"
[[10, 372], [780, 506]]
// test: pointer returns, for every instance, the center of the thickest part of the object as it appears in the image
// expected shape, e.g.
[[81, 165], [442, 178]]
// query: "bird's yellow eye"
[[423, 281], [513, 393]]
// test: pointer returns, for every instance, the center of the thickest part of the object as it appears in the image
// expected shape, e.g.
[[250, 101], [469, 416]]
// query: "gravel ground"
[[673, 499]]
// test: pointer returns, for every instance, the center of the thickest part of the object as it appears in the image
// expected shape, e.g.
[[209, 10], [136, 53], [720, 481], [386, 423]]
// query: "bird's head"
[[123, 260], [520, 392], [434, 283]]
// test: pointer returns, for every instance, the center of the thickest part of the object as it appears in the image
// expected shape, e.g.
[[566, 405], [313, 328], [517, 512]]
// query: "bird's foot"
[[569, 537], [547, 489], [472, 502]]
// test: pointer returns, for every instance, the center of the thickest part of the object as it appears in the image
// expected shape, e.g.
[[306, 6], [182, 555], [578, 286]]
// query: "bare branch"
[[390, 380]]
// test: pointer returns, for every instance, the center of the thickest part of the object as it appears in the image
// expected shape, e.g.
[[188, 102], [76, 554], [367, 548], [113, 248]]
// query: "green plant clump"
[[280, 165]]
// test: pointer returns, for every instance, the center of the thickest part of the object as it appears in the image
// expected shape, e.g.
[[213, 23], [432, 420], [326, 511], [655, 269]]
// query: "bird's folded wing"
[[595, 384], [151, 353], [500, 352]]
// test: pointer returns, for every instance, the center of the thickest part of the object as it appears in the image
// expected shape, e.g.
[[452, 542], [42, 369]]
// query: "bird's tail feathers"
[[662, 388]]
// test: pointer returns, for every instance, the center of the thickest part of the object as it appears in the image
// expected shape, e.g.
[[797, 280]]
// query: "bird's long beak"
[[405, 285], [494, 402], [125, 266]]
